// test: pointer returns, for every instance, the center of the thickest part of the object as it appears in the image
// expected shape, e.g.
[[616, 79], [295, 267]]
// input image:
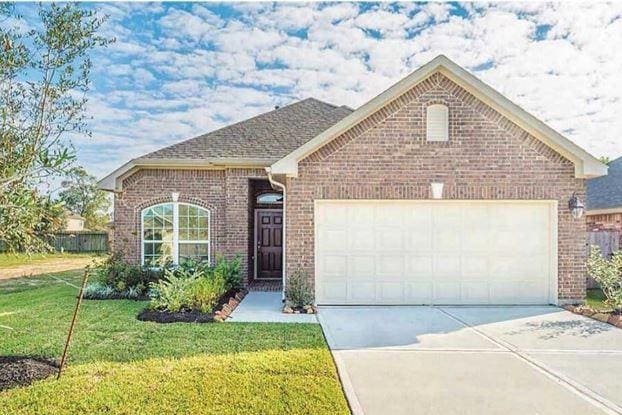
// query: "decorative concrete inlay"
[[266, 307]]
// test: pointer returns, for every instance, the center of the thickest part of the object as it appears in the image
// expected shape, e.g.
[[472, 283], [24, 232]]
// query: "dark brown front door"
[[269, 235]]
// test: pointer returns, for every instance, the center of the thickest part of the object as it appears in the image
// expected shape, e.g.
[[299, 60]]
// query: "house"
[[75, 223], [604, 208], [437, 191]]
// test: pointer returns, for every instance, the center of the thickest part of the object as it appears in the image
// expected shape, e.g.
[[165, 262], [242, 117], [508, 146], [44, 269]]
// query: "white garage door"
[[435, 252]]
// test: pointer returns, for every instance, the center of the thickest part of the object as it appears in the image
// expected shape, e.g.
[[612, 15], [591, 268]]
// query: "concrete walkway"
[[265, 307], [475, 360]]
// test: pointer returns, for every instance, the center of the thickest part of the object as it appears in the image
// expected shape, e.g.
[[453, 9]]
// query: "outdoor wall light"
[[576, 206], [175, 196], [437, 190]]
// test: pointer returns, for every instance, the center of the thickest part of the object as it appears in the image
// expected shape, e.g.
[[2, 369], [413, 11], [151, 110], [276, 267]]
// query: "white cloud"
[[193, 70]]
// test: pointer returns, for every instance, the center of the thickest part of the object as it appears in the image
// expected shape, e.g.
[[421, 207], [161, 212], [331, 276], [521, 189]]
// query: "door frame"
[[255, 216]]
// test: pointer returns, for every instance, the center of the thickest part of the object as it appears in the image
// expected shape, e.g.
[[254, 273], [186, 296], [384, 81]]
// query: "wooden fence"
[[608, 241], [77, 241]]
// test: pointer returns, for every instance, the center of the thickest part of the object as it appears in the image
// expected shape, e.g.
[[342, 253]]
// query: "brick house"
[[604, 205], [437, 191]]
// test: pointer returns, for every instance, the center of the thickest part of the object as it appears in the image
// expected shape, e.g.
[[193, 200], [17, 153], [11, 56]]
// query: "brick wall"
[[487, 157], [606, 222], [223, 192]]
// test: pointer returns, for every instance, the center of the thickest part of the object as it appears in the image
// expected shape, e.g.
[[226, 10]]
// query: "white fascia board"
[[113, 181], [586, 165]]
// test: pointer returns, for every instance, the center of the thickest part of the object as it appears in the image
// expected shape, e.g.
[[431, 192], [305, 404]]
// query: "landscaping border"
[[609, 318]]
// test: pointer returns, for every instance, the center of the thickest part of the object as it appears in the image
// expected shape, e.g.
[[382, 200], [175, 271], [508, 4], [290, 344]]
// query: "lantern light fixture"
[[576, 206]]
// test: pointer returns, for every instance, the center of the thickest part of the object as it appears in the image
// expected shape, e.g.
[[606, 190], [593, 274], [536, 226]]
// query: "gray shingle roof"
[[270, 136], [606, 192]]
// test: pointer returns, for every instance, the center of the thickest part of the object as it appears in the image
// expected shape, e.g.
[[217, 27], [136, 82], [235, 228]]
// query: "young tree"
[[44, 78], [82, 196]]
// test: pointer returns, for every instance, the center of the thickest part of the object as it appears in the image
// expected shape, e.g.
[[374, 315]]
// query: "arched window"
[[270, 198], [437, 123], [174, 232]]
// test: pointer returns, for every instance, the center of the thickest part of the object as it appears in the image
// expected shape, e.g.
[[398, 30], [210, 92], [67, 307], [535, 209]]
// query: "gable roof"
[[605, 193], [586, 165], [257, 141]]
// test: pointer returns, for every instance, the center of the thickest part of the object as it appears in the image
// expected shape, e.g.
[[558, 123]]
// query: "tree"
[[82, 196], [44, 79], [605, 160]]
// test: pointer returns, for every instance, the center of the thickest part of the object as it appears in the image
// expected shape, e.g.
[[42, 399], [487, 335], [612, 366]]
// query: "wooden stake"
[[73, 323]]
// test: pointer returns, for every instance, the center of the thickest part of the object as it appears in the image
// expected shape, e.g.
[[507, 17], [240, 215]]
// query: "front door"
[[269, 244]]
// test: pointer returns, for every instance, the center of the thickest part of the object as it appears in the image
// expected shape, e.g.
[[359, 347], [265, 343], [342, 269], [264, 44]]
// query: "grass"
[[8, 260], [119, 365], [596, 300]]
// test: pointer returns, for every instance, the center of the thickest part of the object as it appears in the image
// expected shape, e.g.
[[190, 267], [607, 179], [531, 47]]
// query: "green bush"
[[124, 278], [206, 292], [188, 288], [229, 271], [172, 293], [608, 273], [298, 291]]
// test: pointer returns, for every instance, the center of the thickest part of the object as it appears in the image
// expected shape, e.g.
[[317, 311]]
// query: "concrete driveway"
[[475, 360]]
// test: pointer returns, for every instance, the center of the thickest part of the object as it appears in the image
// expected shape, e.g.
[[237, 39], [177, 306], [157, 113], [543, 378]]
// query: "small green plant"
[[122, 277], [608, 273], [206, 292], [173, 293], [229, 271], [298, 291]]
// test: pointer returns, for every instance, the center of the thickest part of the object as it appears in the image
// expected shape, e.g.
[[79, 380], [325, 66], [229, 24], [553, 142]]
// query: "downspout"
[[281, 186]]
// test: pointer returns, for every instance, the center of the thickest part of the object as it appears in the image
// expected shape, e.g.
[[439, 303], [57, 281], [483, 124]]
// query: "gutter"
[[282, 187]]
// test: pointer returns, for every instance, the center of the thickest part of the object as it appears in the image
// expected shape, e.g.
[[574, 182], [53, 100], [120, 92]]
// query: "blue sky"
[[182, 69]]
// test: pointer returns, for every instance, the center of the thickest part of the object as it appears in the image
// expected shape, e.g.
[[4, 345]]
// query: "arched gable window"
[[270, 198], [174, 232], [437, 123]]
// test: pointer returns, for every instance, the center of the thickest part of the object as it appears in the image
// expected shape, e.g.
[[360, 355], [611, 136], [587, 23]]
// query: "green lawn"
[[596, 299], [14, 260], [119, 365]]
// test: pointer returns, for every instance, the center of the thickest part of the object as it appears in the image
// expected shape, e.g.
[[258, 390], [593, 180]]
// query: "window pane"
[[203, 235], [148, 235], [183, 210], [148, 249], [198, 251], [270, 198]]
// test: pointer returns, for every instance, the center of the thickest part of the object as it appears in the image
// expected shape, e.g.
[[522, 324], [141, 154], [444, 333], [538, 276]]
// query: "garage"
[[435, 252]]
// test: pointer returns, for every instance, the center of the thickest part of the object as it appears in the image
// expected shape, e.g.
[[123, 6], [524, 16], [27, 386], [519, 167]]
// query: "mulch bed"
[[615, 319], [117, 296], [23, 370], [225, 306]]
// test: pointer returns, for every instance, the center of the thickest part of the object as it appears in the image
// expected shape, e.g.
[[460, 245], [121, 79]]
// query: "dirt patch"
[[23, 370], [47, 267], [226, 304]]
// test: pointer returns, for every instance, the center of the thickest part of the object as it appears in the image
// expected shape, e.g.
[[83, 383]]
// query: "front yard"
[[119, 365], [19, 265]]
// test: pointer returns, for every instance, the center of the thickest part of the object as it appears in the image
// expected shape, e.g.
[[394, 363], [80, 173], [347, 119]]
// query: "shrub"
[[229, 271], [173, 293], [186, 289], [121, 277], [97, 290], [608, 273], [206, 292], [298, 290]]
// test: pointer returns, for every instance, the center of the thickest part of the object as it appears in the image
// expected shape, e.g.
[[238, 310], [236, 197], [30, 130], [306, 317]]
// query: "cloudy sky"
[[182, 69]]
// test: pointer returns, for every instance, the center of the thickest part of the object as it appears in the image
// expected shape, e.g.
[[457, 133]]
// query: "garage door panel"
[[332, 240], [441, 252], [362, 292], [361, 239], [390, 266], [389, 239], [362, 266], [418, 292], [419, 266]]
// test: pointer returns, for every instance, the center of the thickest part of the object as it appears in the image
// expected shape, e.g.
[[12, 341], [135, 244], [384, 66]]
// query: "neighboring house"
[[74, 223], [346, 197], [604, 207]]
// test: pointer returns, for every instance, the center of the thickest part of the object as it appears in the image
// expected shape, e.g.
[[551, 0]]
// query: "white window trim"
[[176, 240], [437, 107]]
